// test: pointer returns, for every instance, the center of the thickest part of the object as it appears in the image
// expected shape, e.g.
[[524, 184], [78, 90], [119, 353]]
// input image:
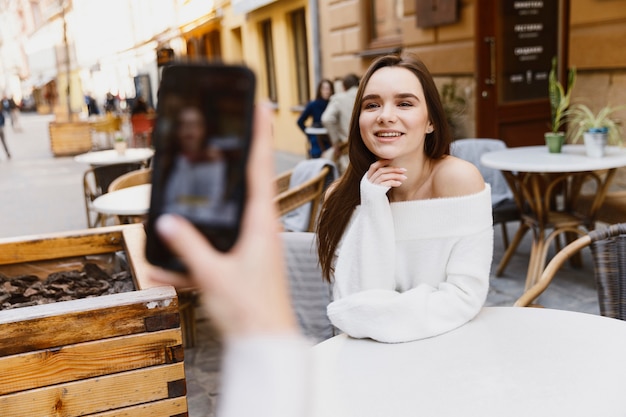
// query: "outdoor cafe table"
[[111, 156], [546, 187], [131, 201], [508, 361]]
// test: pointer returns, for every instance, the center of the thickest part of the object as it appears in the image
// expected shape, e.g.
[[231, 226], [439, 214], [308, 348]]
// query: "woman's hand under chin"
[[382, 173]]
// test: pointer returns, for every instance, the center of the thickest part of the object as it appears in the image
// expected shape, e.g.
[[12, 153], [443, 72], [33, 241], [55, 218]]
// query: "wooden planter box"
[[113, 355], [70, 138]]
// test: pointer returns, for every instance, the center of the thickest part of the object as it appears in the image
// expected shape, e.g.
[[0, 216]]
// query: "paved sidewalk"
[[43, 194]]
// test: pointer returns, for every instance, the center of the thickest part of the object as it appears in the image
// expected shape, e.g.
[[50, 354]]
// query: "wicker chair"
[[613, 209], [311, 191], [130, 179], [96, 181], [504, 207], [608, 249]]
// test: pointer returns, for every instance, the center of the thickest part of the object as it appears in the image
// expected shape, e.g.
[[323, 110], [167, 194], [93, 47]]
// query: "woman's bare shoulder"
[[455, 177]]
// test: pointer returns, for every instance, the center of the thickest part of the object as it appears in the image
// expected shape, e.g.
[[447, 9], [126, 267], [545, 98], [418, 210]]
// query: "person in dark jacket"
[[2, 133], [314, 110]]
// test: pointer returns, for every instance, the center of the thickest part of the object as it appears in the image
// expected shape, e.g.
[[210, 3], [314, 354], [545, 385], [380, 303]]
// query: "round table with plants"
[[546, 187]]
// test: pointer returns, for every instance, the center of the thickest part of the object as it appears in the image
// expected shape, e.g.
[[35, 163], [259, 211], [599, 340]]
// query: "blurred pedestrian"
[[92, 105], [6, 149], [140, 106], [314, 110], [336, 118], [110, 104], [11, 108]]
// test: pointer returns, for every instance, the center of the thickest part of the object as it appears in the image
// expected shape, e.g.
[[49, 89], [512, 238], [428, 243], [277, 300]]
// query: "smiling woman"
[[406, 235]]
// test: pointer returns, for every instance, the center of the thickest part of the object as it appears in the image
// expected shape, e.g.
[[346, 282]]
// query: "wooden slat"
[[70, 322], [175, 407], [95, 395], [61, 245], [135, 246], [75, 362]]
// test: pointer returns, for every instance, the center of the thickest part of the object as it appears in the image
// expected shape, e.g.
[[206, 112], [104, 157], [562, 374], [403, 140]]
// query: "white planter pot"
[[595, 144], [120, 147]]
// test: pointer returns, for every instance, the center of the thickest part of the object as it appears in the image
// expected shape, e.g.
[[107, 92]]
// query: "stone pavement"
[[43, 194]]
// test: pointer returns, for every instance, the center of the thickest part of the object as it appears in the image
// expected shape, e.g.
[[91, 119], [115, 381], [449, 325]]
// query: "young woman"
[[406, 234], [314, 110]]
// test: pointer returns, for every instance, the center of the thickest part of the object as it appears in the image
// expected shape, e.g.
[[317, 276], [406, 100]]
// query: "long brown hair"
[[340, 204]]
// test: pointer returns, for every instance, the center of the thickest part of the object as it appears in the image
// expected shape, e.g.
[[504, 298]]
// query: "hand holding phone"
[[202, 137]]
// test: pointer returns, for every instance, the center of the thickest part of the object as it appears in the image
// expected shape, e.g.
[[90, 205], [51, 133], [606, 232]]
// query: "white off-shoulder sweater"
[[413, 269]]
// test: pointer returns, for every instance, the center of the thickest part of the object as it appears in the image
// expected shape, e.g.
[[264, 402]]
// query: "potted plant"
[[597, 129], [559, 102], [120, 145]]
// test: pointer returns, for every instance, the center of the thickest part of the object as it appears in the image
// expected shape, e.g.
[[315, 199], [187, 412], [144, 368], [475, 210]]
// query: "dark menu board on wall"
[[529, 41]]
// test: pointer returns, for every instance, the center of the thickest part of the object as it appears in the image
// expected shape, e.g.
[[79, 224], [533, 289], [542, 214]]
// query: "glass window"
[[301, 54], [385, 22], [270, 64]]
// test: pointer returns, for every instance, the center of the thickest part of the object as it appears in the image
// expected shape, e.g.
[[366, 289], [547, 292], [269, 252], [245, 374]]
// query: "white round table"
[[546, 187], [537, 159], [111, 156], [131, 201], [508, 361]]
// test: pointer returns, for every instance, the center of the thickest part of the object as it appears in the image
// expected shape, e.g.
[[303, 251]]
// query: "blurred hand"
[[245, 290]]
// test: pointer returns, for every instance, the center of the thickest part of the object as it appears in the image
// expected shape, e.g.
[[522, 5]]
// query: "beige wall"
[[287, 135], [597, 48]]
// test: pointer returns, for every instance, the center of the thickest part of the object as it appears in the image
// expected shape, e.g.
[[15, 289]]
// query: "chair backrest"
[[471, 149], [142, 123], [130, 179], [310, 294], [96, 181], [608, 249], [105, 174], [299, 204]]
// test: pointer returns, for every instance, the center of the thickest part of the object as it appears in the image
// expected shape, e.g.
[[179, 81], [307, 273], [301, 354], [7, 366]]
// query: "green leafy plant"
[[581, 119], [559, 100], [454, 106]]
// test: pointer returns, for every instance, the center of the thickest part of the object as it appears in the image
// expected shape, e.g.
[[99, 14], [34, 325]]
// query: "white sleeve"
[[266, 376], [424, 311], [330, 119], [366, 256]]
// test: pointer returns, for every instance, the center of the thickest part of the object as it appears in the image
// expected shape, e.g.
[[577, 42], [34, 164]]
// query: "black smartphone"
[[201, 139]]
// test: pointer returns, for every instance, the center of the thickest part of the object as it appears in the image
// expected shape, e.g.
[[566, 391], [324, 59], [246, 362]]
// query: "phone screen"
[[201, 139]]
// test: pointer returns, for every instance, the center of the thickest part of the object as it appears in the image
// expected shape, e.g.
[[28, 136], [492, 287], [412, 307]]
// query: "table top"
[[508, 361], [316, 131], [131, 201], [537, 159], [111, 156]]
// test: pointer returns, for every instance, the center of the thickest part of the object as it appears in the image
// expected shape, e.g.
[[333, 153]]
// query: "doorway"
[[515, 42]]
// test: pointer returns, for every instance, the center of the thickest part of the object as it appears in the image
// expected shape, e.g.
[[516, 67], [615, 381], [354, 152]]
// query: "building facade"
[[120, 46]]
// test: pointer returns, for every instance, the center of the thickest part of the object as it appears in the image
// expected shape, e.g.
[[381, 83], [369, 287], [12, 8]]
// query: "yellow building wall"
[[242, 40], [596, 45]]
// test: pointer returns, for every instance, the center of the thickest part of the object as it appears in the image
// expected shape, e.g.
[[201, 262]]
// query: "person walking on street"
[[10, 106], [2, 138]]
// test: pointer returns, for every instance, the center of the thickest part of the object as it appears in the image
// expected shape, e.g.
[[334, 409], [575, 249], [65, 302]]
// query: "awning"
[[246, 6]]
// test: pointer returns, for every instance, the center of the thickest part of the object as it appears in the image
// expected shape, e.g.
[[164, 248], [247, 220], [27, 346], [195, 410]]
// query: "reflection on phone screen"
[[201, 138]]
